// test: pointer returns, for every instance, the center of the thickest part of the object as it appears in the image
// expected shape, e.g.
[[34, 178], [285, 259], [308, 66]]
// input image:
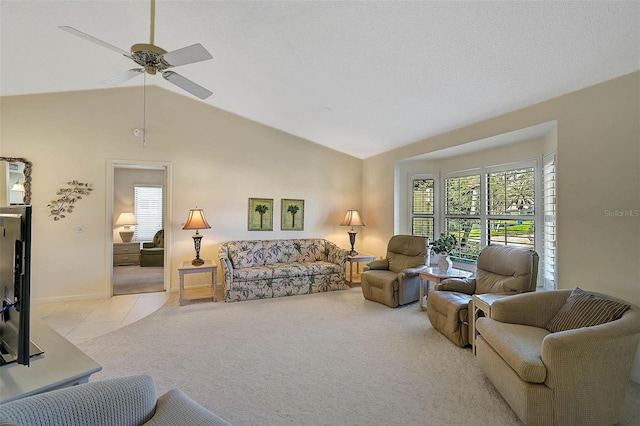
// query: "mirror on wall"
[[15, 181]]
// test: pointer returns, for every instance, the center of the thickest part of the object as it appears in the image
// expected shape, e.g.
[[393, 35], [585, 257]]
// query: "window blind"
[[148, 211]]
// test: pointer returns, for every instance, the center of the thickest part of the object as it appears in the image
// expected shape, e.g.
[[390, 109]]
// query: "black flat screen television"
[[15, 285]]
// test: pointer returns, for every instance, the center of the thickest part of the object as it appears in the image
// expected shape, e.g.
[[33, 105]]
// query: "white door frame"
[[111, 166]]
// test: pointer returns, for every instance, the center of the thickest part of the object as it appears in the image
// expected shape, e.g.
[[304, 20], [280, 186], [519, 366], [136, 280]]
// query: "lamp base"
[[197, 262], [126, 236], [353, 253]]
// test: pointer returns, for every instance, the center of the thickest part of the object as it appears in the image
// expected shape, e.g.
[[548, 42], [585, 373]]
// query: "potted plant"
[[443, 247]]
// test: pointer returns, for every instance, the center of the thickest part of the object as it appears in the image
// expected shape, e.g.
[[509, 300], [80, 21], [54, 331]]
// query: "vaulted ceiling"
[[360, 77]]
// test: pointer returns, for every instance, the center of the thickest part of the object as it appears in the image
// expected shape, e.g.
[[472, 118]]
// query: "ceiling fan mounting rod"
[[153, 22]]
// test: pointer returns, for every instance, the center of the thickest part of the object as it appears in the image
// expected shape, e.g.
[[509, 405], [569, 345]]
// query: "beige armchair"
[[500, 269], [395, 280], [576, 375], [152, 252]]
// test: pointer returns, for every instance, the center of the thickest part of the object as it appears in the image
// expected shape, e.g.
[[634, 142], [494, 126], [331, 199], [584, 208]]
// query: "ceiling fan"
[[154, 59]]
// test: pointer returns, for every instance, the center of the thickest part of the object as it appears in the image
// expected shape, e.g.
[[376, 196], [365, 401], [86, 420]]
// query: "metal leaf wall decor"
[[67, 199]]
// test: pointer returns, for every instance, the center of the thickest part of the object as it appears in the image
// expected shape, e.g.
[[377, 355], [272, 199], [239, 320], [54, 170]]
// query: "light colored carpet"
[[132, 279], [323, 359]]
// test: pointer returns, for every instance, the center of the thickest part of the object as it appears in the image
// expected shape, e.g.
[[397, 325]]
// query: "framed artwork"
[[260, 214], [292, 215]]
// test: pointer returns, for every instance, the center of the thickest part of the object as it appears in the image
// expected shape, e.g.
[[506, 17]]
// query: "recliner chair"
[[395, 280], [500, 269], [152, 253]]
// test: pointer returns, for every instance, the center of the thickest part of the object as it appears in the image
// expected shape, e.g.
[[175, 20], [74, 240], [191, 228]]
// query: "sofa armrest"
[[535, 309], [176, 408], [336, 255], [379, 264], [412, 272], [603, 367], [148, 245], [460, 285], [227, 266], [127, 400]]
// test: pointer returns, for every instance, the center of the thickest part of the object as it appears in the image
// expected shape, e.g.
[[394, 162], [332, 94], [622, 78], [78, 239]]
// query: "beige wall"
[[218, 160]]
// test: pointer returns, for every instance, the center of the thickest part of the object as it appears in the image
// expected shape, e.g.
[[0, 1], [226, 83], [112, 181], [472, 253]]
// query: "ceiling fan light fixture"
[[154, 59]]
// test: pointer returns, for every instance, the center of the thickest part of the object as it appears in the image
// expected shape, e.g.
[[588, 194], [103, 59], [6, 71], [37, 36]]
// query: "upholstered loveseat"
[[560, 357], [261, 269]]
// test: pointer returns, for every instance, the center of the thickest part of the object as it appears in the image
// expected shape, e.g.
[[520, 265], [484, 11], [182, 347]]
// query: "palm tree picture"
[[292, 215], [260, 214]]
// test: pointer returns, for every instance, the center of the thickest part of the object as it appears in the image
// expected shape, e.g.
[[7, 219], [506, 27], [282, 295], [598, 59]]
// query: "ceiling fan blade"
[[95, 40], [186, 84], [122, 77], [187, 55]]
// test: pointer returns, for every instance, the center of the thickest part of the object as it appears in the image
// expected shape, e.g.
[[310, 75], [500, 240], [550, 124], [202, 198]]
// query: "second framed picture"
[[292, 215]]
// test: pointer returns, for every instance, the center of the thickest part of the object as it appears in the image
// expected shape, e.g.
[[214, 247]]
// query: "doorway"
[[137, 223]]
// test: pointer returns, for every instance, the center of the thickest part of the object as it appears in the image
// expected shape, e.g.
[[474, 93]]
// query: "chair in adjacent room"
[[395, 280], [500, 269], [152, 253]]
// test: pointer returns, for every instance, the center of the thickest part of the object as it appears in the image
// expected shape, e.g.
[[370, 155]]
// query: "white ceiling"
[[361, 77]]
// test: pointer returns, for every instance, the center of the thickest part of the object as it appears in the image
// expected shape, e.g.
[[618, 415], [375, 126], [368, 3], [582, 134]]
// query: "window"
[[148, 211], [422, 216], [493, 205], [462, 214], [511, 193]]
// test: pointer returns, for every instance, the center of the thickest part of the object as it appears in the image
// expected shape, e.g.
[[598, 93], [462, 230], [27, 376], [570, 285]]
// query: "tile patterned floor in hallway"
[[80, 320]]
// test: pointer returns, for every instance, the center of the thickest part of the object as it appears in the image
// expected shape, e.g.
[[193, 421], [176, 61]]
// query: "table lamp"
[[352, 219], [127, 219], [196, 221]]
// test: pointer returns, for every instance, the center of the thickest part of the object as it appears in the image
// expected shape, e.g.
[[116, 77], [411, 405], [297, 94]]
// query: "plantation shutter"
[[549, 195], [148, 211]]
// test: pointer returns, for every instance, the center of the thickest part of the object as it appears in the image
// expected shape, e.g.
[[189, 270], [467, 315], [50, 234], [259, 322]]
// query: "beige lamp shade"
[[352, 218], [196, 220], [126, 219]]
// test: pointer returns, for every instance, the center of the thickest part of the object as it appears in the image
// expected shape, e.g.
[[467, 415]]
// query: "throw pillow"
[[585, 309]]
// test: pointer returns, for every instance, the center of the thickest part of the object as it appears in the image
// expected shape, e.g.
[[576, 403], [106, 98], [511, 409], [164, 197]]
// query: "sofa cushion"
[[322, 268], [520, 346], [254, 273], [280, 251], [293, 269], [585, 309], [245, 254], [310, 250]]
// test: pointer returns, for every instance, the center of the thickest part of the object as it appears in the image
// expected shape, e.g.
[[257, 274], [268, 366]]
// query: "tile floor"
[[81, 320]]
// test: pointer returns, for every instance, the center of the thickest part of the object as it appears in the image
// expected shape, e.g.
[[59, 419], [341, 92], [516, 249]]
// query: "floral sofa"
[[261, 269]]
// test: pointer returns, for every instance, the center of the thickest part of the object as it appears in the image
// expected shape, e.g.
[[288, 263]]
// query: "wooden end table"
[[188, 268], [482, 303], [357, 259], [436, 275]]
